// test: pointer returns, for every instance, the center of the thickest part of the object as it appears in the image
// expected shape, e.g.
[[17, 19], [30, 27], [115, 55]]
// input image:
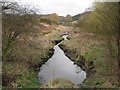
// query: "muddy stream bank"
[[60, 66]]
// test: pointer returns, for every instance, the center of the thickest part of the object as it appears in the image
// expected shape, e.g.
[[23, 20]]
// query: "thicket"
[[20, 52], [17, 26], [104, 20]]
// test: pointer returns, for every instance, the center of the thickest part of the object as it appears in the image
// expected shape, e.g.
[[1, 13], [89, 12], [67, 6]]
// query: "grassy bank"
[[93, 49], [23, 74], [59, 83], [22, 71]]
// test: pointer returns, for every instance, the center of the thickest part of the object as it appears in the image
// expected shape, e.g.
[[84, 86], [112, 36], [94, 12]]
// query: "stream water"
[[60, 66]]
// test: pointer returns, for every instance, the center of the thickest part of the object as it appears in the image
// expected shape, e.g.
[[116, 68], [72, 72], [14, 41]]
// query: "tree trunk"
[[118, 44]]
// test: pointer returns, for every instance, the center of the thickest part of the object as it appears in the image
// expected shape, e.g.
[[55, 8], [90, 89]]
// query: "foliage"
[[18, 48], [76, 17], [14, 27], [68, 18], [45, 20], [54, 18], [103, 20]]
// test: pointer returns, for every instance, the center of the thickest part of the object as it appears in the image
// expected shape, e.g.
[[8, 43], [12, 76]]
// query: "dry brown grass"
[[59, 83], [93, 47], [27, 57]]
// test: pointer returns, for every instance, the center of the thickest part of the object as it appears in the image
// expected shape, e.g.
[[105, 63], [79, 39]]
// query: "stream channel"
[[60, 66]]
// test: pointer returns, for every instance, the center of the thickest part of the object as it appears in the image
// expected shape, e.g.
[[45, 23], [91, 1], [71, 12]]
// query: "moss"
[[58, 40]]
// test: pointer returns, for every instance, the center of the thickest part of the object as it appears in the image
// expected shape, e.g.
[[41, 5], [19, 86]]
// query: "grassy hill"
[[76, 17]]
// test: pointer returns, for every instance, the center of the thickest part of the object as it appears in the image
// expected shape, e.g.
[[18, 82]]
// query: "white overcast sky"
[[61, 7]]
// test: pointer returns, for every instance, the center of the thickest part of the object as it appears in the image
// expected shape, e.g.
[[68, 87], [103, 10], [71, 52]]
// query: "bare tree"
[[17, 21]]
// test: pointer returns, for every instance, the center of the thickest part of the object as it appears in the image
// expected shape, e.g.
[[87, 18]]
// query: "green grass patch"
[[68, 86], [59, 39], [28, 79], [113, 87], [44, 57], [68, 37], [24, 77], [77, 31], [77, 59], [100, 82], [48, 54], [93, 52]]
